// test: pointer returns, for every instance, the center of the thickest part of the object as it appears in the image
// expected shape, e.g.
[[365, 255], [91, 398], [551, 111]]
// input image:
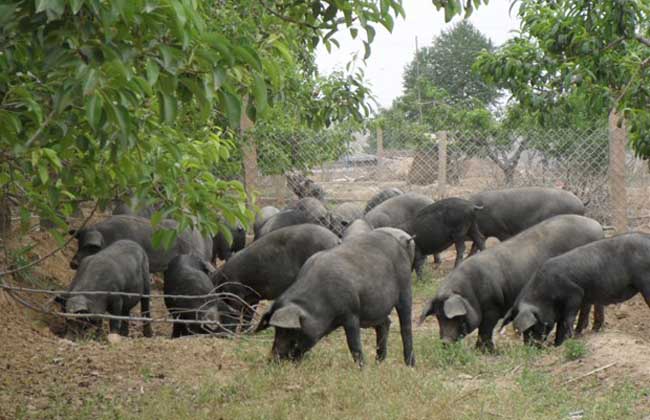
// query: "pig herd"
[[349, 265]]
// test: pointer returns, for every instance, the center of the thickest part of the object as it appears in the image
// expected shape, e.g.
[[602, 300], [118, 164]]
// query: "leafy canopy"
[[595, 53], [99, 99]]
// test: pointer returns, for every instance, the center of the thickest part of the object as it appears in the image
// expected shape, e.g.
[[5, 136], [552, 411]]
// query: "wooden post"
[[616, 173], [250, 156], [441, 137], [279, 190], [380, 145]]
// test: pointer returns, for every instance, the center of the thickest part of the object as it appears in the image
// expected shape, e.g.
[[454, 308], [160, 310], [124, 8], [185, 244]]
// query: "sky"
[[391, 52]]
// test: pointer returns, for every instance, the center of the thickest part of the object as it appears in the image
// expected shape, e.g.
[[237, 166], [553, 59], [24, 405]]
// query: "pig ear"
[[94, 238], [264, 321], [207, 268], [525, 320], [287, 317], [60, 300], [429, 309], [455, 306], [510, 315]]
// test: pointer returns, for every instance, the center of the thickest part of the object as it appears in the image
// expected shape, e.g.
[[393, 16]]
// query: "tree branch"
[[40, 129], [643, 40], [49, 254]]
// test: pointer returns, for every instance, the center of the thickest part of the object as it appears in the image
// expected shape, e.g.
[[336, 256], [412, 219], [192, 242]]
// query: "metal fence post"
[[380, 145], [250, 156], [441, 137], [616, 172]]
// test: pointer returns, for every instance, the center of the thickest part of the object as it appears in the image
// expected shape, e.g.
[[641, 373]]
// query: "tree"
[[598, 52], [447, 66], [98, 98]]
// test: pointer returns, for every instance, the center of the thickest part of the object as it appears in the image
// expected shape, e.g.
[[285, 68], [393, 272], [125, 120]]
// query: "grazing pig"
[[358, 227], [268, 266], [604, 272], [396, 211], [94, 238], [187, 275], [380, 197], [355, 285], [305, 210], [483, 288], [343, 215], [133, 208], [510, 211], [121, 267], [223, 250], [264, 214], [443, 223], [285, 218]]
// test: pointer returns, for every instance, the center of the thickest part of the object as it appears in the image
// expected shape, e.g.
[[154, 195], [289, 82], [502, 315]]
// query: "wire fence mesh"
[[459, 163], [342, 173]]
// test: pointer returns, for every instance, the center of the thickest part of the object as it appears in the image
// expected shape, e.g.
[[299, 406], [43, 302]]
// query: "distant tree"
[[447, 65]]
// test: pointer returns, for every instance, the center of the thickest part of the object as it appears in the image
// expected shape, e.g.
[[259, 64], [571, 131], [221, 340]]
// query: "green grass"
[[448, 382], [574, 349]]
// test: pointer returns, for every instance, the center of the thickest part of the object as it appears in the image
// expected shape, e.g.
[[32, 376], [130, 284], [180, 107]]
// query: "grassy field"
[[201, 378]]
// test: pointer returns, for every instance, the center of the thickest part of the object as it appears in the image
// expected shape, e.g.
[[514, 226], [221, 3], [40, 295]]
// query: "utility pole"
[[417, 80]]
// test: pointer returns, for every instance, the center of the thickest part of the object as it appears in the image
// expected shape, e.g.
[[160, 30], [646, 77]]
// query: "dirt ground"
[[39, 370]]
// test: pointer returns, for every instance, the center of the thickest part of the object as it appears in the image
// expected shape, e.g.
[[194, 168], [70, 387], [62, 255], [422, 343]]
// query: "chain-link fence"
[[459, 163]]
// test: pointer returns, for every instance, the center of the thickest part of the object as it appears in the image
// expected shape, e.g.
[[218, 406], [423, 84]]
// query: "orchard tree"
[[597, 51], [98, 98]]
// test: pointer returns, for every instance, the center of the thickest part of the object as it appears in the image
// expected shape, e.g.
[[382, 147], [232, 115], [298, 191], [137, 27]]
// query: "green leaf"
[[52, 156], [156, 218], [91, 82], [249, 56], [284, 51], [53, 8], [93, 105], [259, 89], [168, 107], [233, 107], [76, 5], [366, 48], [7, 13], [43, 173], [152, 72], [181, 18], [223, 45]]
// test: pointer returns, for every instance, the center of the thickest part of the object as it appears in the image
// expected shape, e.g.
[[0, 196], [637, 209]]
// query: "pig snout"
[[74, 263]]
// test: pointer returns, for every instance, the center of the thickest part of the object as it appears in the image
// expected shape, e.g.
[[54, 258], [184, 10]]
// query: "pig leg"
[[124, 326], [178, 329], [599, 317], [406, 326], [437, 260], [418, 263], [382, 339], [485, 329], [353, 336], [583, 318], [115, 308], [460, 249], [478, 242], [565, 324]]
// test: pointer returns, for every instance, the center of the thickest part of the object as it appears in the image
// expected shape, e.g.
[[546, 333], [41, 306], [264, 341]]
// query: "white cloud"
[[392, 51]]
